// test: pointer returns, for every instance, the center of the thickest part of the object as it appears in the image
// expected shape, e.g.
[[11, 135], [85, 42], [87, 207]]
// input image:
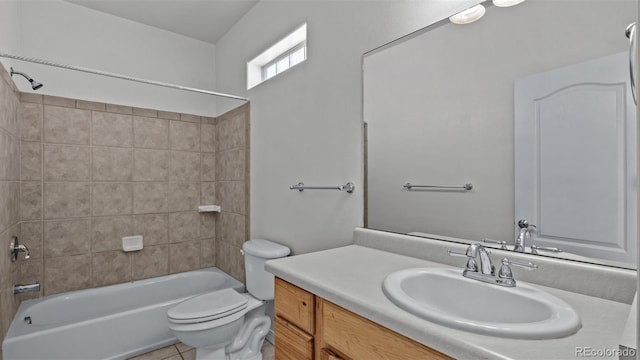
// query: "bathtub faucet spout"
[[26, 288]]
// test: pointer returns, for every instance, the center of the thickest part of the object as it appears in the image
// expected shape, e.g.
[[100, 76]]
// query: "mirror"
[[509, 104]]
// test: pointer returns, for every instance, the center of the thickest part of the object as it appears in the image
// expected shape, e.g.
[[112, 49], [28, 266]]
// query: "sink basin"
[[445, 297]]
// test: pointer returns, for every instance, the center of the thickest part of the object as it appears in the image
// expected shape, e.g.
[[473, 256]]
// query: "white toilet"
[[225, 324]]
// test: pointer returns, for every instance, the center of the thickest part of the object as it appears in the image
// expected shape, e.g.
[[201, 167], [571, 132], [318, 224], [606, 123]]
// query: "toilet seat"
[[208, 307]]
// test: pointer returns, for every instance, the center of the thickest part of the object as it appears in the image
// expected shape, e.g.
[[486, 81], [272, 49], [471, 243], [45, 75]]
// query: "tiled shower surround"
[[9, 195], [92, 173], [77, 176]]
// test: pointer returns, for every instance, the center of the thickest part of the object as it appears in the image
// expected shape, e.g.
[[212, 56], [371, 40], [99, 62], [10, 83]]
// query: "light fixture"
[[506, 3], [468, 16]]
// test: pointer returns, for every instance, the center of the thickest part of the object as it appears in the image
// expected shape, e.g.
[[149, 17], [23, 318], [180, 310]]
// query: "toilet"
[[225, 324]]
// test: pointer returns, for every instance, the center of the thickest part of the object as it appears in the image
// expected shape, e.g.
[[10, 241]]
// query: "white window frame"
[[256, 68]]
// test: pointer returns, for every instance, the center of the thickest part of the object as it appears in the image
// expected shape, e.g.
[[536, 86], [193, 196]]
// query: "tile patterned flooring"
[[181, 351]]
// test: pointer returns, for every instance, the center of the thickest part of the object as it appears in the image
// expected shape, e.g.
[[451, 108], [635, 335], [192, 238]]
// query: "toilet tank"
[[256, 253]]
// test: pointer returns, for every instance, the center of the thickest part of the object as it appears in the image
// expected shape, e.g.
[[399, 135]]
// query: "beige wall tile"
[[31, 122], [185, 166], [208, 193], [208, 120], [7, 305], [168, 115], [112, 199], [111, 267], [184, 136], [90, 105], [14, 202], [190, 118], [150, 133], [31, 161], [120, 109], [145, 112], [29, 272], [149, 198], [65, 200], [9, 157], [9, 108], [5, 196], [208, 138], [107, 232], [151, 261], [207, 253], [223, 256], [184, 256], [231, 228], [230, 165], [237, 264], [114, 164], [112, 129], [154, 228], [66, 126], [184, 226], [208, 167], [231, 133], [67, 273], [151, 165], [30, 98], [59, 101], [231, 196], [30, 201], [31, 237], [183, 196], [63, 162], [67, 237], [208, 225]]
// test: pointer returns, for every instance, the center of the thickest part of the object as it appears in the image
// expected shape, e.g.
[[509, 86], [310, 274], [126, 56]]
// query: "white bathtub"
[[111, 322]]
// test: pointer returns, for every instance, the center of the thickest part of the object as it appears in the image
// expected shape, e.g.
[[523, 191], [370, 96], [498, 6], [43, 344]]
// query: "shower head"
[[34, 84]]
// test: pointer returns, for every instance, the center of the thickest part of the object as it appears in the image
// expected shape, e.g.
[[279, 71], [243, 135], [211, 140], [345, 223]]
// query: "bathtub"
[[111, 322]]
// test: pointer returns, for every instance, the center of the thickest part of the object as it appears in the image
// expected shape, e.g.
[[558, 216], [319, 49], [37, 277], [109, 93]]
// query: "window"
[[288, 52]]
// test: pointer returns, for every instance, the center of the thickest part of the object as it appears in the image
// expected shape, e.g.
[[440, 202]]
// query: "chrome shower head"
[[34, 84]]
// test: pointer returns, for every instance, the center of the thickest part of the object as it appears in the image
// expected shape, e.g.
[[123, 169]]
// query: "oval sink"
[[445, 297]]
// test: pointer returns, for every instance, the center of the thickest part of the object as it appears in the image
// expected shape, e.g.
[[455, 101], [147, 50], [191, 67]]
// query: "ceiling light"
[[468, 16], [506, 3]]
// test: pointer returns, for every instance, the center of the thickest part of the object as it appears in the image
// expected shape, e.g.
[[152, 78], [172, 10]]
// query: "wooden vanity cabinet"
[[294, 322], [310, 327]]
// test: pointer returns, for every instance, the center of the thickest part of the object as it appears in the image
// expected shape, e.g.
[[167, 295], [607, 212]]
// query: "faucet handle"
[[503, 244], [524, 224], [528, 266], [535, 249], [471, 264]]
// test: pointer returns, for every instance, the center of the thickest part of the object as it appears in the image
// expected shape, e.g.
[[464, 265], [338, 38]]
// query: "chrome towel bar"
[[465, 187], [349, 187]]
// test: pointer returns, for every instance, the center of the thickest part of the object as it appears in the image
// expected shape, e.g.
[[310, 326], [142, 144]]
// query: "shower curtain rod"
[[118, 76]]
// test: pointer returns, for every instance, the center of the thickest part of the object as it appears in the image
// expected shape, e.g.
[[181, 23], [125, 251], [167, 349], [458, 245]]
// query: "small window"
[[288, 52]]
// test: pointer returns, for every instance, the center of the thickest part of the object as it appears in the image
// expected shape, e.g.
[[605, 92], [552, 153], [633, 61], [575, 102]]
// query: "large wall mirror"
[[531, 107]]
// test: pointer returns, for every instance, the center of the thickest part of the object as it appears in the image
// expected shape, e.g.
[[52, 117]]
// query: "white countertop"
[[352, 277]]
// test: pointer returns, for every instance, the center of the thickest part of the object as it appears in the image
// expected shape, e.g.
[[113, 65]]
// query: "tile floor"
[[181, 351]]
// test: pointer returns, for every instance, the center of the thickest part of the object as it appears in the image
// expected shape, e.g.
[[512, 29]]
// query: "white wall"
[[306, 124], [9, 30], [67, 33]]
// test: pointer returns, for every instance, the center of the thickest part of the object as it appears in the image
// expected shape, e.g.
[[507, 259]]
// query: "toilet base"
[[210, 354]]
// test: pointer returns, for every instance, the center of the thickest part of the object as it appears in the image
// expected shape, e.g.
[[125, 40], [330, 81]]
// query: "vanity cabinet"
[[310, 327]]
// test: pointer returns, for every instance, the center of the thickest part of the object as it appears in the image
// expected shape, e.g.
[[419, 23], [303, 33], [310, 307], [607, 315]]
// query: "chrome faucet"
[[14, 249], [486, 271], [525, 231]]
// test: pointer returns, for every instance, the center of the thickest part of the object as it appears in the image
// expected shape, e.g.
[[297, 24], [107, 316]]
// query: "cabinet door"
[[327, 354], [295, 305], [291, 342]]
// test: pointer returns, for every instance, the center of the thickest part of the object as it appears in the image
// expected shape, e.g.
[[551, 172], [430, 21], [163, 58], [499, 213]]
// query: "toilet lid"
[[208, 306]]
